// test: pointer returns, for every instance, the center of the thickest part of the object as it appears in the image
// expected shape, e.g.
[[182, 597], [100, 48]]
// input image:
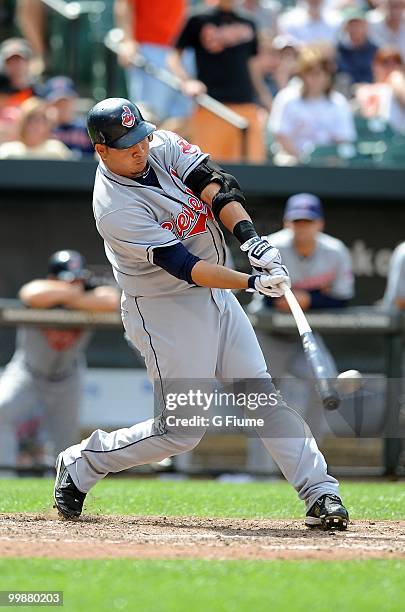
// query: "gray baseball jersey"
[[185, 332], [396, 277], [135, 219], [328, 268], [44, 375]]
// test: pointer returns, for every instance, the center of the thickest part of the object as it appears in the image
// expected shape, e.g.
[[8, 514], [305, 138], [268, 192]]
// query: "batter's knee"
[[183, 444]]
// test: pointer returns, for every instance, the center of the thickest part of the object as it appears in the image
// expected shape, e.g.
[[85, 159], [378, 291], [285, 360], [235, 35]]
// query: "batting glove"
[[270, 284], [262, 255]]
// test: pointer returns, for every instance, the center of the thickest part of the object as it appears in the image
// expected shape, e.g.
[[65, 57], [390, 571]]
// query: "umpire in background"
[[321, 274], [43, 383]]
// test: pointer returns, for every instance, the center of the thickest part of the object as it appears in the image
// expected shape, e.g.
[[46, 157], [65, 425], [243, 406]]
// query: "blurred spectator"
[[34, 135], [44, 379], [311, 114], [278, 61], [385, 98], [387, 25], [9, 117], [150, 29], [226, 46], [69, 129], [17, 82], [265, 14], [310, 21], [355, 51], [394, 296]]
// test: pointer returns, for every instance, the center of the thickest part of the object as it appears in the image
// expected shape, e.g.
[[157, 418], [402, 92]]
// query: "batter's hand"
[[270, 284], [262, 255]]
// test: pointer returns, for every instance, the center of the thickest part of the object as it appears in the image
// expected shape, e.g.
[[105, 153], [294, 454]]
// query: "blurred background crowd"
[[314, 79]]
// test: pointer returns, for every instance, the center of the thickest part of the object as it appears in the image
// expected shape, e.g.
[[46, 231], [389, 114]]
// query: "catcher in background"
[[41, 387]]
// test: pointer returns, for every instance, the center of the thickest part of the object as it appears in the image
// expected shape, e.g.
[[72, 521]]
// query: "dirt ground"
[[146, 537]]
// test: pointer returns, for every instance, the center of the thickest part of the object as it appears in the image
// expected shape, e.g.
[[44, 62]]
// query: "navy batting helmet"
[[67, 266], [117, 123]]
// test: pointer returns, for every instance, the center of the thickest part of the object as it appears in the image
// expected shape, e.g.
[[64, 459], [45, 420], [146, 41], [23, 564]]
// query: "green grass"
[[208, 586], [368, 500]]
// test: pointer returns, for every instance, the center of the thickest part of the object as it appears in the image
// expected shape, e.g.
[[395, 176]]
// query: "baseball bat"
[[321, 372]]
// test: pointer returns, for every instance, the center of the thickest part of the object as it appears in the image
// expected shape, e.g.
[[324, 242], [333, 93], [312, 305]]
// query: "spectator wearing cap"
[[311, 22], [62, 96], [279, 61], [355, 51], [34, 135], [387, 25], [312, 114], [321, 274], [385, 98], [17, 83]]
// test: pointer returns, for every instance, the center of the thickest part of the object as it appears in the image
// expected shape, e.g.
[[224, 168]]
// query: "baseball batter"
[[156, 203], [45, 374]]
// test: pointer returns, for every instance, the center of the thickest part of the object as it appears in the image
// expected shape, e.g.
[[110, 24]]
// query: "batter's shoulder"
[[163, 138]]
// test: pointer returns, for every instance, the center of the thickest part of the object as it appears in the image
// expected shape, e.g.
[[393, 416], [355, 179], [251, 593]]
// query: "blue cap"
[[303, 206], [59, 87]]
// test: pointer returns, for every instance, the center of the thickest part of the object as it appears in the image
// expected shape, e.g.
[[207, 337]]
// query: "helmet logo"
[[128, 118]]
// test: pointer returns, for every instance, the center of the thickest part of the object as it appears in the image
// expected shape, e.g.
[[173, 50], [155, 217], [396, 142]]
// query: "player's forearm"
[[400, 303], [231, 214], [205, 274], [47, 293], [95, 301]]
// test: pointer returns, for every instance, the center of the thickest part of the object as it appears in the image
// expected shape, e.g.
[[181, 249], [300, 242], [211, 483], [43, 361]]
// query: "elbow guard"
[[208, 172], [230, 191]]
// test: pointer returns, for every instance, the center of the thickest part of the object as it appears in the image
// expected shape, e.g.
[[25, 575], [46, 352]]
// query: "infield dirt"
[[143, 537]]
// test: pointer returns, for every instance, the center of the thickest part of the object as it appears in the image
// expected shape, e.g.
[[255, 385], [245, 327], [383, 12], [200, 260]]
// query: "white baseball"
[[349, 381]]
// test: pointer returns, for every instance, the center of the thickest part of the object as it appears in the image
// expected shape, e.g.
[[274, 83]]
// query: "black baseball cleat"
[[328, 512], [68, 499]]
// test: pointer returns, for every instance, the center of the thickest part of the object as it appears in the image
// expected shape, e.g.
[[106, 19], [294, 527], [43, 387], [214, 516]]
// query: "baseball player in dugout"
[[321, 274], [43, 381], [157, 204]]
